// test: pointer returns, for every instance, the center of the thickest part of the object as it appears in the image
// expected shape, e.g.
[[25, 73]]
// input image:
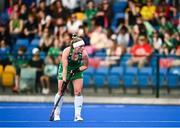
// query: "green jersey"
[[72, 64]]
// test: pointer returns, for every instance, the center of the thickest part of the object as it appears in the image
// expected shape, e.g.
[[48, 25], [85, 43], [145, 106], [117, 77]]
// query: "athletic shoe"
[[78, 118], [56, 117]]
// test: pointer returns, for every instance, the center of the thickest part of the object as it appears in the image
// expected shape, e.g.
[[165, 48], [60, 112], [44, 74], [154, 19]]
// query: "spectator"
[[131, 13], [165, 10], [123, 37], [54, 51], [23, 13], [156, 42], [148, 11], [72, 5], [19, 61], [90, 12], [66, 40], [73, 24], [15, 27], [60, 11], [4, 53], [45, 21], [46, 40], [141, 51], [38, 63], [169, 44], [104, 14], [138, 28], [31, 27], [50, 70]]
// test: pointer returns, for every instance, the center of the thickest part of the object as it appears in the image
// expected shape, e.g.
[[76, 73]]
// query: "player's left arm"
[[85, 60]]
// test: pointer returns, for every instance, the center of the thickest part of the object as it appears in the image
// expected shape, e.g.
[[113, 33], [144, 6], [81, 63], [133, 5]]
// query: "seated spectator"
[[73, 24], [104, 14], [140, 51], [165, 10], [123, 37], [54, 51], [19, 61], [169, 44], [50, 70], [165, 25], [45, 21], [131, 13], [138, 28], [23, 12], [4, 53], [15, 27], [98, 40], [90, 12], [38, 63], [156, 42], [46, 40], [148, 11], [30, 28]]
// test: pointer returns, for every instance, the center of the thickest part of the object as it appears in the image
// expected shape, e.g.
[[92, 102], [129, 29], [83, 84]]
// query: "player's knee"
[[77, 93]]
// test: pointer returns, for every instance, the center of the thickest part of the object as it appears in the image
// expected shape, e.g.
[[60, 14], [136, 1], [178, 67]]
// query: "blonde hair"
[[75, 39]]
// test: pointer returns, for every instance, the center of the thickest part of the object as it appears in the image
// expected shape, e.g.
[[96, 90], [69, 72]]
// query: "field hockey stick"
[[62, 93]]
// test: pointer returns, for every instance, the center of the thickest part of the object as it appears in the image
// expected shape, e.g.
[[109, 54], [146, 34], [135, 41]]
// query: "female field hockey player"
[[74, 60]]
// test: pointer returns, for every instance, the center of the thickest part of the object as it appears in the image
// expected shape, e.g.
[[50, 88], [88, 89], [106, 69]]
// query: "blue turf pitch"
[[95, 115]]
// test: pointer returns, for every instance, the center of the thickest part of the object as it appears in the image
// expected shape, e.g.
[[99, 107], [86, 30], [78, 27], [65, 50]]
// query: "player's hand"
[[75, 71], [64, 87]]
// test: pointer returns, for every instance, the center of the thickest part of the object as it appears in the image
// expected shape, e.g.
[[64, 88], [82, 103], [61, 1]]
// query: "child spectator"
[[50, 70], [38, 63], [19, 61]]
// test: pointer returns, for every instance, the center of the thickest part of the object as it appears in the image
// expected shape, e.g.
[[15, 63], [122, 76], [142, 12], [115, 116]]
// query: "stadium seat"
[[100, 77], [7, 79], [163, 77], [173, 77], [115, 77], [22, 42], [35, 42], [145, 76], [1, 71], [87, 80], [10, 69], [130, 77]]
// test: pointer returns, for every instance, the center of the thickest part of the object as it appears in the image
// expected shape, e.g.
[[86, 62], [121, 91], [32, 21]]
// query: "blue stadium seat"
[[35, 42], [100, 54], [114, 77], [88, 77], [87, 80], [119, 6], [174, 77], [90, 71], [22, 42], [130, 76], [163, 77], [145, 76], [100, 77]]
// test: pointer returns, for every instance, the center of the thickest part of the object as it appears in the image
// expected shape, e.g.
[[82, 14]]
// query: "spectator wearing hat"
[[38, 63]]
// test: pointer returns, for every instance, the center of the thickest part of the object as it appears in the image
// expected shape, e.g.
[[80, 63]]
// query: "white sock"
[[58, 108], [78, 101]]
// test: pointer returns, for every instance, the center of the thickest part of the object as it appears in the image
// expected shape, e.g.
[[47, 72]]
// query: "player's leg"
[[58, 108], [78, 99]]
